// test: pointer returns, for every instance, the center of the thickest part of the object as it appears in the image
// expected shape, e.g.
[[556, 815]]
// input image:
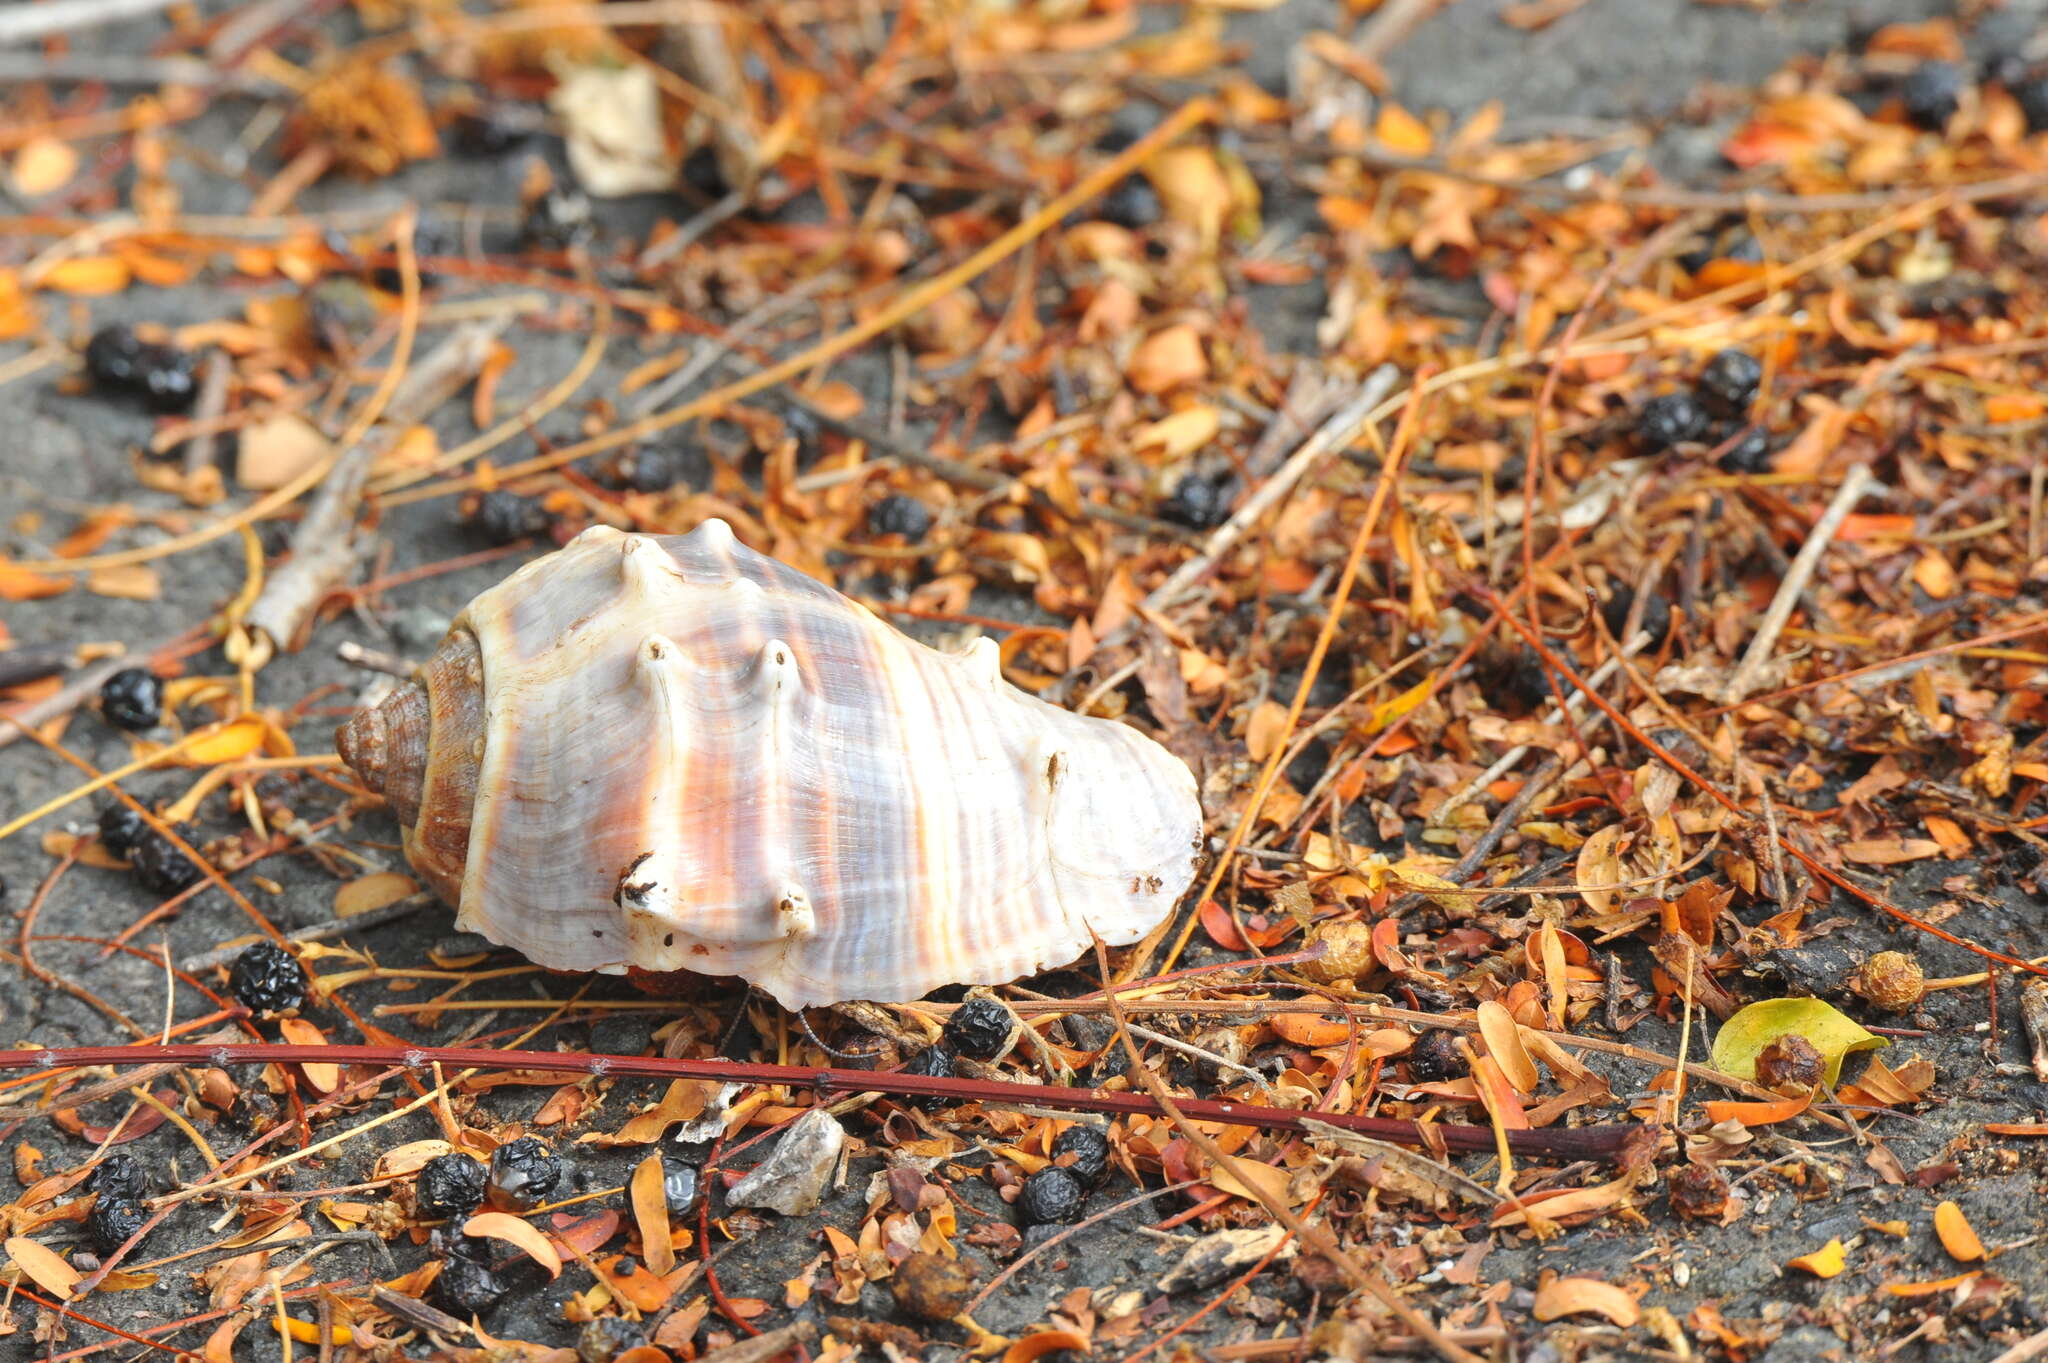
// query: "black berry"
[[897, 514], [1199, 501], [523, 1173], [502, 517], [979, 1029], [113, 359], [132, 698], [1052, 1196], [1751, 452], [1083, 1151], [265, 979], [1671, 419], [1931, 92], [1729, 382], [1656, 618], [1526, 682], [681, 1185], [161, 867], [120, 829], [648, 470], [559, 219], [933, 1060], [118, 1178], [467, 1285], [1132, 204], [1435, 1058], [702, 173], [169, 381], [113, 1221], [449, 1186]]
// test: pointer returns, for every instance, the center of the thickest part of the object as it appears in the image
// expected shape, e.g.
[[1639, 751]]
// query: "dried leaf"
[[1504, 1044], [1561, 1297], [323, 1077], [1825, 1262], [521, 1235], [1958, 1237], [43, 1266], [1743, 1037], [650, 1213], [366, 894]]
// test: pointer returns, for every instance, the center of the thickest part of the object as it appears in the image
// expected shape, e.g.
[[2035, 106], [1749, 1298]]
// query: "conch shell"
[[673, 753]]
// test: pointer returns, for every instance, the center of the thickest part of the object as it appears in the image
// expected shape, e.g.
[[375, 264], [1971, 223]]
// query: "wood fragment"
[[2034, 1016]]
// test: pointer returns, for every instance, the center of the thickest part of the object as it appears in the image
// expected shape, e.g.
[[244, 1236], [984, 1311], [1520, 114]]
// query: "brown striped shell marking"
[[672, 753]]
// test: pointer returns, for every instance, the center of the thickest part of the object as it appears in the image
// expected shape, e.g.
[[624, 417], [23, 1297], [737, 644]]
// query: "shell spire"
[[678, 754]]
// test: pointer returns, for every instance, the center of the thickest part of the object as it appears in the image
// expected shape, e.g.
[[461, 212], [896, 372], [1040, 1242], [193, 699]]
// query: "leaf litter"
[[1598, 656]]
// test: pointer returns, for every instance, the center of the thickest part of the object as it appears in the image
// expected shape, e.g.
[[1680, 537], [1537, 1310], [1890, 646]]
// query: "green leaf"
[[1833, 1033]]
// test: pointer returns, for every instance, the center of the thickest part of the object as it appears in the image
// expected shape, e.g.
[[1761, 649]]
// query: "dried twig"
[[1854, 485], [26, 23]]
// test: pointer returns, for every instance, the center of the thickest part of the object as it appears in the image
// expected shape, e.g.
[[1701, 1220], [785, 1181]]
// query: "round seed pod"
[[1890, 980], [931, 1287], [1698, 1193], [1051, 1196], [978, 1029]]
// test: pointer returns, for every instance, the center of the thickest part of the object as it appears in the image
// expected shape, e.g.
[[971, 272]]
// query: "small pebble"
[[681, 1185], [559, 219], [502, 517]]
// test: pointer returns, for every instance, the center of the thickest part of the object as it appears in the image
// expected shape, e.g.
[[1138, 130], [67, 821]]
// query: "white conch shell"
[[696, 758]]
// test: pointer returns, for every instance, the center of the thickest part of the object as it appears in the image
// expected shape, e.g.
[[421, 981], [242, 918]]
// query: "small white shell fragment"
[[792, 1180]]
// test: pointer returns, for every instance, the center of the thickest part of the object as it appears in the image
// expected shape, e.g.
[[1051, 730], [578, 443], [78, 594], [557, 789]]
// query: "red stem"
[[1572, 1143]]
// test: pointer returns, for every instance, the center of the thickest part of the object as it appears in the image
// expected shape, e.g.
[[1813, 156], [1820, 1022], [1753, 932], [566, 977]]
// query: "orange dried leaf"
[[1309, 1029], [1758, 1113], [365, 894], [235, 739], [87, 276], [43, 1266], [19, 584], [299, 1032], [43, 164], [1402, 132], [650, 1213], [1928, 1288], [1504, 1044], [521, 1235], [1167, 359], [1958, 1237], [1825, 1262], [1562, 1297], [1044, 1342]]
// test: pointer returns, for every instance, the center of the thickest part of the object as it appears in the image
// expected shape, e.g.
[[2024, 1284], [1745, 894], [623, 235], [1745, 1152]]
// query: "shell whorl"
[[679, 754], [418, 749]]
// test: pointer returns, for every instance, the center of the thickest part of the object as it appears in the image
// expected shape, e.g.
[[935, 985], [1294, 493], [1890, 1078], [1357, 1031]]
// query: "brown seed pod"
[[1698, 1193], [1347, 952], [1890, 980], [654, 754], [1790, 1064], [931, 1287]]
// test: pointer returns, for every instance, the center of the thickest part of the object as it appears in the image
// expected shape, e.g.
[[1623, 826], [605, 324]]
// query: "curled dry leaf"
[[1824, 1262], [1167, 359], [1044, 1342], [1562, 1297], [519, 1234]]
